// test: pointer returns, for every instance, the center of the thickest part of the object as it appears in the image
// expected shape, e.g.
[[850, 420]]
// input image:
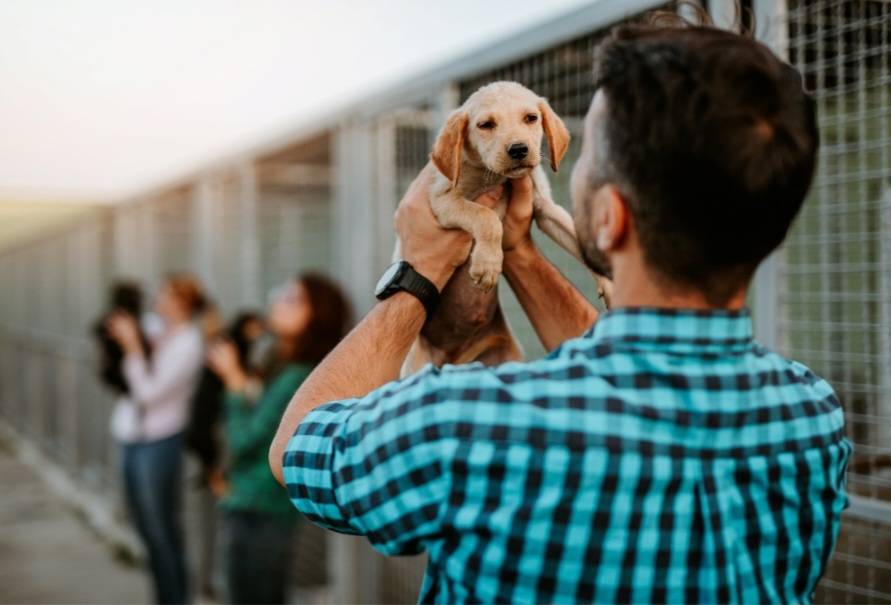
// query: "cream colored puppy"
[[496, 135]]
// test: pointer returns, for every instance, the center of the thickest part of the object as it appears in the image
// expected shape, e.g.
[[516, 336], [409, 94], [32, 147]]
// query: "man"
[[661, 455]]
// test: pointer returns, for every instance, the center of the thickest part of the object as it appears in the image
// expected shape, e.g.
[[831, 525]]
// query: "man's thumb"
[[522, 188]]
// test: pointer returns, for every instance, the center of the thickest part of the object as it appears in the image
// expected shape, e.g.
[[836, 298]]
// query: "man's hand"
[[518, 220], [434, 252], [556, 309]]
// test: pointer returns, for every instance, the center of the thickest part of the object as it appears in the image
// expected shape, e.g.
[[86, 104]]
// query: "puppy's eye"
[[487, 125], [530, 118]]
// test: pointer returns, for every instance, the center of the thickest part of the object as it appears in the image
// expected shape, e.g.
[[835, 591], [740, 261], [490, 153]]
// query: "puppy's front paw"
[[485, 268]]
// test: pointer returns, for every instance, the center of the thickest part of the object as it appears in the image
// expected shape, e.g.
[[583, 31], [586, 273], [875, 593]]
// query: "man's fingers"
[[520, 205], [521, 189], [419, 188]]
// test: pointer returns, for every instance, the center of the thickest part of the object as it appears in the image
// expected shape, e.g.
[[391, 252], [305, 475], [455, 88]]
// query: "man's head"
[[699, 149]]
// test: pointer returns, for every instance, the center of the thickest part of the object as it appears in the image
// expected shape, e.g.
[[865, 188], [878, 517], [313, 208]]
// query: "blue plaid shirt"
[[662, 456]]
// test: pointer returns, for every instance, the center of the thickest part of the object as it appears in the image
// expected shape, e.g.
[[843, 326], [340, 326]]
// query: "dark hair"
[[237, 334], [329, 318], [711, 139], [126, 296]]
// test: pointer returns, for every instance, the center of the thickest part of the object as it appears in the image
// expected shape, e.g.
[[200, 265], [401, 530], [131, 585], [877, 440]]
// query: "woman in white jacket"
[[149, 424]]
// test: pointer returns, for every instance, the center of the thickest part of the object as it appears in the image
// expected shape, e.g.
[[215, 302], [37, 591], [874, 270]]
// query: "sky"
[[100, 99]]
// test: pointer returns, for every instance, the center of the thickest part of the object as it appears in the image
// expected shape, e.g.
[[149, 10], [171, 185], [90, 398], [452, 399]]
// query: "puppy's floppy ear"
[[449, 144], [555, 130]]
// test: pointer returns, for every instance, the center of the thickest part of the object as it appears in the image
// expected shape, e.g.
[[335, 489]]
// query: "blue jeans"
[[153, 487], [257, 554]]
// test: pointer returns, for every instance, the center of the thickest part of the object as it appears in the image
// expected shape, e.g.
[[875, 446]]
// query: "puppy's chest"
[[473, 189]]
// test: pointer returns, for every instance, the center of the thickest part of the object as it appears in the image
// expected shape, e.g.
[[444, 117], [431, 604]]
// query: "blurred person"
[[203, 435], [307, 318], [124, 297], [149, 423], [658, 453]]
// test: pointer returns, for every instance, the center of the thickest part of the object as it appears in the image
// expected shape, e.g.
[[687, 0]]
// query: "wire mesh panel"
[[835, 309], [221, 269], [56, 287], [402, 139], [294, 227], [175, 232], [46, 354]]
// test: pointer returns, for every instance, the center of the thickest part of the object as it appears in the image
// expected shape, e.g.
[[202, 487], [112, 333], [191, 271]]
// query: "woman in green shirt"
[[307, 317]]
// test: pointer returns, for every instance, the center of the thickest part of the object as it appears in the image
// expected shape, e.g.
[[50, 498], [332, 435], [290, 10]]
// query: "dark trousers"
[[153, 486], [257, 554]]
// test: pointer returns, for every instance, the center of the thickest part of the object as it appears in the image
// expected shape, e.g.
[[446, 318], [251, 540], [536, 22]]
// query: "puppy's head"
[[500, 127]]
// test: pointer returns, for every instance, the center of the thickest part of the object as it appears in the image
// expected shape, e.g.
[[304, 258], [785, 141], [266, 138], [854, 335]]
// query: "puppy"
[[493, 137]]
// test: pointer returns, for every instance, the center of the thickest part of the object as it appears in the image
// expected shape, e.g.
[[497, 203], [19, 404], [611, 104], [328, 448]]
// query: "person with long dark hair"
[[307, 318]]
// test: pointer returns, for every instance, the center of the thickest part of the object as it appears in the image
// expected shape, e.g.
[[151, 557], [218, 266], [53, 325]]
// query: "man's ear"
[[611, 218], [557, 133], [449, 144]]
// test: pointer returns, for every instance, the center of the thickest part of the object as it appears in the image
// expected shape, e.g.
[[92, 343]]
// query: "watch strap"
[[425, 291]]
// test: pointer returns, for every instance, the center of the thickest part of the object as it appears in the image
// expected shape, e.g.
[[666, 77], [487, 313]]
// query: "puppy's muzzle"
[[518, 151]]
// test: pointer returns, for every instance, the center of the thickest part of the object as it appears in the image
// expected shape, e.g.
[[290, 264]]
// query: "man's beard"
[[594, 258]]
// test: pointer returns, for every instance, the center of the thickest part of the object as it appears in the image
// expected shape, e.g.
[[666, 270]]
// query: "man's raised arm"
[[557, 310], [372, 354]]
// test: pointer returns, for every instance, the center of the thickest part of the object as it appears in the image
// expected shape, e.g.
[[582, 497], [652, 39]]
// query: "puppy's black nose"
[[518, 151]]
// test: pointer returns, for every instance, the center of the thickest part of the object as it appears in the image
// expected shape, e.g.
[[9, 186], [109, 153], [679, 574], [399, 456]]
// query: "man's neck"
[[640, 290]]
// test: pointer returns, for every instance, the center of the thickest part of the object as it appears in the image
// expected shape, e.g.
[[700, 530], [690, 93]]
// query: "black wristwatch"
[[402, 277]]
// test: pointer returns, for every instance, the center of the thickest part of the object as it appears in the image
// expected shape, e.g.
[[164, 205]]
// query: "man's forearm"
[[370, 356], [557, 310]]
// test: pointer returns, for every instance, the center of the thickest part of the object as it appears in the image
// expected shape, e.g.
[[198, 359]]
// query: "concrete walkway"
[[47, 555]]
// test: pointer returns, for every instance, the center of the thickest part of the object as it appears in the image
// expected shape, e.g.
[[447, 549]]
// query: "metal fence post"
[[448, 99], [770, 15], [723, 12], [883, 429], [203, 198], [354, 211], [248, 236], [387, 188]]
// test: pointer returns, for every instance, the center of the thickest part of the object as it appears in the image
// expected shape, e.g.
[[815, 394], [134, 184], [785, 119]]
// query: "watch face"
[[387, 278]]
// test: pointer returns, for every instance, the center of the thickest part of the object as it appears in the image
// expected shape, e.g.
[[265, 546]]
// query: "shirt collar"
[[676, 329]]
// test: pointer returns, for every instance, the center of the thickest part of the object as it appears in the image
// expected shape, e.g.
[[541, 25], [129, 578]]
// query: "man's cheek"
[[594, 258]]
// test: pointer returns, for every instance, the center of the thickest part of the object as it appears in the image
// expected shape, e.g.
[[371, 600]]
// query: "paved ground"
[[47, 555]]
